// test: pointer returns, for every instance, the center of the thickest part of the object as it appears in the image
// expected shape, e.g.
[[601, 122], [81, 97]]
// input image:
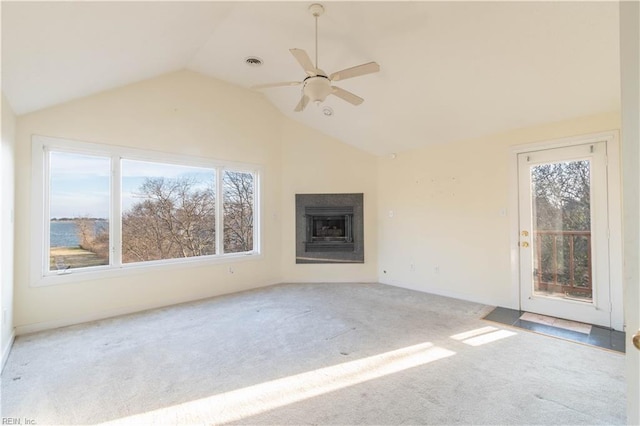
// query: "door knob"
[[636, 340], [524, 244], [525, 233]]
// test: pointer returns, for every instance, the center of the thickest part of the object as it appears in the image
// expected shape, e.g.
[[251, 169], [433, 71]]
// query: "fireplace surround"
[[329, 228]]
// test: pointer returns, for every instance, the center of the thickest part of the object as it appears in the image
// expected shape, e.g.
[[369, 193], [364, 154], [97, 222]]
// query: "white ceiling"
[[449, 70]]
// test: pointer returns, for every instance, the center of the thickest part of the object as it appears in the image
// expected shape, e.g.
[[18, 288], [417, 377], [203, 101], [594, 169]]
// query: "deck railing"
[[552, 276]]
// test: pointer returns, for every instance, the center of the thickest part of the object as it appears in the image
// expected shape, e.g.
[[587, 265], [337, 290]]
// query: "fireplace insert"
[[329, 229]]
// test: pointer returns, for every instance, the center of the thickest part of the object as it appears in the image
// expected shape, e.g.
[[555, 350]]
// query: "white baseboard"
[[50, 325], [7, 350], [110, 313], [445, 293]]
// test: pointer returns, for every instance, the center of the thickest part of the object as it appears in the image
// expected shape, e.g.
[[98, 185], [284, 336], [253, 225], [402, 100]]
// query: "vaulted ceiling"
[[449, 70]]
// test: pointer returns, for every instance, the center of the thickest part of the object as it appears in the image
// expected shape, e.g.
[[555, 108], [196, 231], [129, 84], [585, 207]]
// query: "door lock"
[[524, 244], [525, 233]]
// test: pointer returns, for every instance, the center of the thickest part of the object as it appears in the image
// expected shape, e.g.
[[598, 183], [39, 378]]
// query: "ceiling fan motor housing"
[[317, 88]]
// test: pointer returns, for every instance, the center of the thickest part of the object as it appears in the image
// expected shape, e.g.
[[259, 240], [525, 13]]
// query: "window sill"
[[108, 272]]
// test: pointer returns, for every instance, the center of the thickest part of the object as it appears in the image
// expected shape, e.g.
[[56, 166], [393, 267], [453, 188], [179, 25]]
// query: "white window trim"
[[40, 274]]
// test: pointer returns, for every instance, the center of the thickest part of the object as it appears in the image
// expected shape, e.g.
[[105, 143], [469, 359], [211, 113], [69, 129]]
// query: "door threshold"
[[587, 334]]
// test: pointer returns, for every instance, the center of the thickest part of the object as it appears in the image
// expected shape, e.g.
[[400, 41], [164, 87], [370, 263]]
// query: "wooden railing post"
[[555, 285]]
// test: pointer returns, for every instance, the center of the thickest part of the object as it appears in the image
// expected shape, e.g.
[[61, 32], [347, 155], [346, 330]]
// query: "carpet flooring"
[[310, 354]]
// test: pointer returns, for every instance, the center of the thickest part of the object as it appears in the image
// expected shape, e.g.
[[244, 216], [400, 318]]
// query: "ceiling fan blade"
[[346, 95], [304, 61], [356, 71], [282, 84], [302, 104]]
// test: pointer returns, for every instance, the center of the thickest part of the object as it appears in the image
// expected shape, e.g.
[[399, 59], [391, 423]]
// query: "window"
[[238, 211], [79, 188], [108, 208], [168, 211]]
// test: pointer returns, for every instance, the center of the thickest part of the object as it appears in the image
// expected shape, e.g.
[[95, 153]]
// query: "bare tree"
[[175, 219], [562, 203], [93, 236], [562, 195], [238, 211], [86, 232]]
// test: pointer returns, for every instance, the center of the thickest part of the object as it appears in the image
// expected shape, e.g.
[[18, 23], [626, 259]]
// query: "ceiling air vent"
[[253, 61]]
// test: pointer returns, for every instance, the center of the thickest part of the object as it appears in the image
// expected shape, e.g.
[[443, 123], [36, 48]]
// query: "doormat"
[[580, 327], [587, 334]]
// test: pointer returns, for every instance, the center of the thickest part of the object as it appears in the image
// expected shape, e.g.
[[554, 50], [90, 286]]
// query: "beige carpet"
[[311, 354]]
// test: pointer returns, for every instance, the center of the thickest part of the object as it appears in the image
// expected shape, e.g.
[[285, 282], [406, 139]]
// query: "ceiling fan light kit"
[[316, 86]]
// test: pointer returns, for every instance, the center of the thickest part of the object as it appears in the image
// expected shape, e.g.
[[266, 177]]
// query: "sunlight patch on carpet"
[[473, 333], [249, 401], [483, 335], [489, 337]]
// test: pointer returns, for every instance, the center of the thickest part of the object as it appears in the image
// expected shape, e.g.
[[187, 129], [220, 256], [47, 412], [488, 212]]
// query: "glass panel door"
[[564, 263], [561, 208]]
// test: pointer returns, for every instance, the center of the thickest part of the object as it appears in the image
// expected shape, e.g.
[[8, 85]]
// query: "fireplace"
[[329, 228]]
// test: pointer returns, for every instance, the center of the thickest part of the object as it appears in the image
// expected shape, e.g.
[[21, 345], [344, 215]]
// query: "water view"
[[64, 233]]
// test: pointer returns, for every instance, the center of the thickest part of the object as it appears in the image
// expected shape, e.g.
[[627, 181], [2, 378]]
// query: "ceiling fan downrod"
[[316, 10]]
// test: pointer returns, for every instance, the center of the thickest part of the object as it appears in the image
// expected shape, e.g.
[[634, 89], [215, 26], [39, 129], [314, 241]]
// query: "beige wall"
[[450, 224], [433, 217], [7, 182], [315, 164], [191, 114], [183, 113]]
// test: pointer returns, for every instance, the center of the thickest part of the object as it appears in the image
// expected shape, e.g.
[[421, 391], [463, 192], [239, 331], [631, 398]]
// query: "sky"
[[79, 183]]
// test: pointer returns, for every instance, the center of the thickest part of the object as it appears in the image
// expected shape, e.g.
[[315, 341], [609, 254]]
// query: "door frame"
[[614, 208]]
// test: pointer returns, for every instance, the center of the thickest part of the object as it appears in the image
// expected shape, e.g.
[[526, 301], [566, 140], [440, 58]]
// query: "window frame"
[[40, 213]]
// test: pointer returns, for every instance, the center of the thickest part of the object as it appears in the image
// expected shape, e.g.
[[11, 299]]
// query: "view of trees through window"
[[238, 211], [172, 219], [562, 227], [168, 211]]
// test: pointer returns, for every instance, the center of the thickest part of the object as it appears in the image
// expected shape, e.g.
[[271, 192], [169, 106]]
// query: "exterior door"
[[564, 242]]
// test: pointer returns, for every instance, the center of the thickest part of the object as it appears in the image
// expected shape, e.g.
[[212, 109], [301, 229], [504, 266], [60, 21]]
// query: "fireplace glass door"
[[331, 228]]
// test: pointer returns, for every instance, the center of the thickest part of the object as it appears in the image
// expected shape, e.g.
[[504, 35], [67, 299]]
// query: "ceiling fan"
[[317, 85]]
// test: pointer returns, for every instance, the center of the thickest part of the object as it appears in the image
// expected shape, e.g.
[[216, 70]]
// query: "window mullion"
[[257, 209], [219, 211], [47, 211], [115, 222]]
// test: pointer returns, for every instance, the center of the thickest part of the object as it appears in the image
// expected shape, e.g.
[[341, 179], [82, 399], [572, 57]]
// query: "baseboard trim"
[[446, 293], [65, 322], [21, 330], [7, 350]]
